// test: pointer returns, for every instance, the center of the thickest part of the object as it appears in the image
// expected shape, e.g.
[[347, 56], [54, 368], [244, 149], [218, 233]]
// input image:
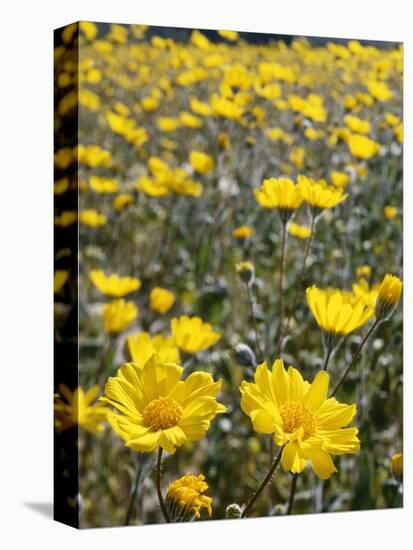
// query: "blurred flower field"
[[240, 212]]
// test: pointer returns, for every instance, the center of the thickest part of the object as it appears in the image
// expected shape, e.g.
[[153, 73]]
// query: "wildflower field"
[[238, 202]]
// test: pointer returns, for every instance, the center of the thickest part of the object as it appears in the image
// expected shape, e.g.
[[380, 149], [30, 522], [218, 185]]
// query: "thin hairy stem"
[[158, 487], [298, 288], [263, 484], [132, 500], [292, 494], [281, 288], [253, 321], [355, 357]]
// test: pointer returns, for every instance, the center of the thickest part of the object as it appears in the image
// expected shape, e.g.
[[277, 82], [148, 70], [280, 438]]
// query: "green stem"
[[253, 320], [292, 494], [281, 289], [132, 500], [327, 357], [263, 484], [302, 271], [355, 357], [158, 487]]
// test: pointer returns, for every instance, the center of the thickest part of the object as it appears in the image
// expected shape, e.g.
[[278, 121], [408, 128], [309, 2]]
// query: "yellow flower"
[[243, 232], [201, 162], [158, 408], [297, 156], [151, 187], [337, 312], [92, 218], [246, 271], [150, 103], [390, 212], [363, 271], [121, 201], [113, 285], [229, 35], [142, 346], [391, 119], [318, 194], [103, 185], [300, 231], [189, 120], [357, 124], [275, 134], [61, 186], [339, 179], [361, 289], [223, 107], [199, 107], [89, 29], [397, 465], [93, 155], [310, 426], [192, 334], [379, 90], [362, 147], [118, 315], [389, 295], [184, 186], [66, 218], [280, 193], [186, 494], [161, 300], [60, 278], [76, 409], [168, 124]]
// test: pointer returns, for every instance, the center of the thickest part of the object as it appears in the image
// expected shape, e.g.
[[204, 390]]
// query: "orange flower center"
[[296, 415], [162, 413]]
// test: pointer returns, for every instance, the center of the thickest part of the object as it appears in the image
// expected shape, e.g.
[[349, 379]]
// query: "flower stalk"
[[355, 356], [158, 486], [281, 287], [267, 479]]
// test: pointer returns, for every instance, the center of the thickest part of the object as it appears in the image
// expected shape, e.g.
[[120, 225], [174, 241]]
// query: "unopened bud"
[[246, 272], [244, 355], [233, 511]]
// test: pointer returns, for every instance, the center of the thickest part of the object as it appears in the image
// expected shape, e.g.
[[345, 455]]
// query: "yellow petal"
[[317, 393]]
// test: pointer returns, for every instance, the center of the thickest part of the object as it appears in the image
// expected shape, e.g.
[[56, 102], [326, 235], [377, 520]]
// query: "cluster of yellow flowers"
[[171, 132]]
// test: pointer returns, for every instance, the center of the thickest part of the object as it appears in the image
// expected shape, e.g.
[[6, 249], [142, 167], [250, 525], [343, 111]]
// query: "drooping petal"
[[322, 463], [291, 459], [172, 438]]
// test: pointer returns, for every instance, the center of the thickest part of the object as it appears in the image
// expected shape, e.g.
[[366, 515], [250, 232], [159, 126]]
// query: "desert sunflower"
[[192, 334], [280, 194], [306, 424], [159, 410], [77, 408]]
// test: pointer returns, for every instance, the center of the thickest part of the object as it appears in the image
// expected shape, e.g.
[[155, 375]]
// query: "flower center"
[[162, 413], [296, 415]]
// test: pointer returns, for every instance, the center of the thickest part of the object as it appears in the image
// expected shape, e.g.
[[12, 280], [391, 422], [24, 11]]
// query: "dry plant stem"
[[253, 321], [263, 484], [355, 357], [158, 487], [281, 289], [132, 500], [302, 271], [292, 494]]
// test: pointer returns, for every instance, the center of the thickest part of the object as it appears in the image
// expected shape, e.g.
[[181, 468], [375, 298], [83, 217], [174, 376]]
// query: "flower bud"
[[244, 355], [233, 511], [389, 295], [245, 271], [397, 466]]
